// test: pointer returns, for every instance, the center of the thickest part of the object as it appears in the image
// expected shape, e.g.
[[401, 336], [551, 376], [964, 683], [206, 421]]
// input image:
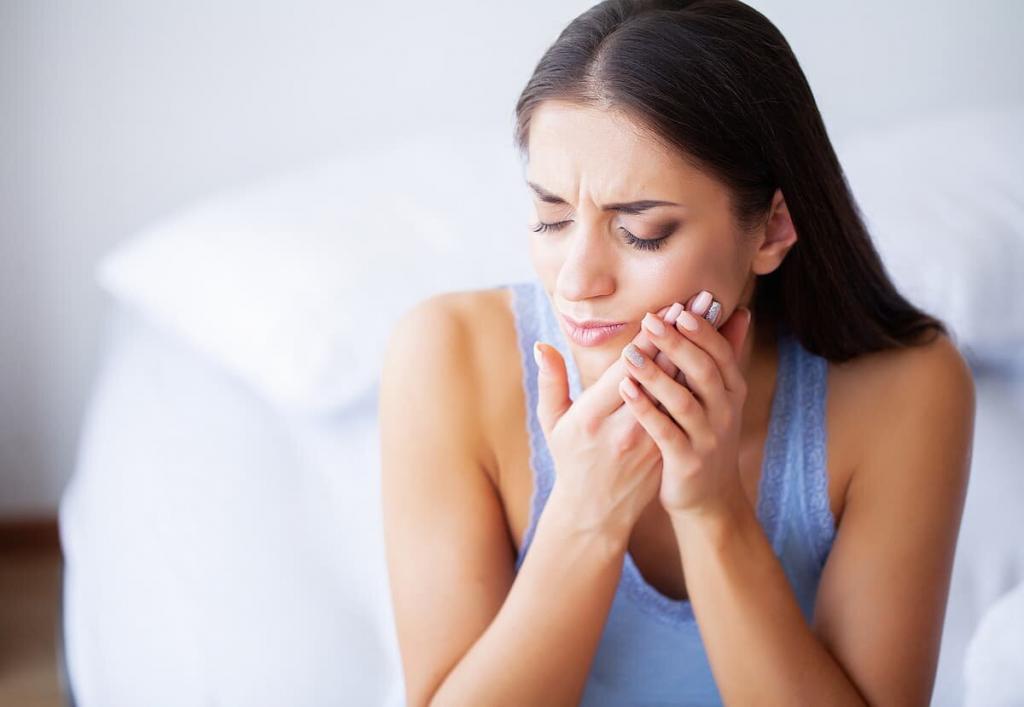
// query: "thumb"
[[552, 386]]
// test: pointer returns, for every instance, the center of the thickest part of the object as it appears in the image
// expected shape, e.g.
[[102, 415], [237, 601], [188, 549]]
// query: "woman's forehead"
[[574, 149]]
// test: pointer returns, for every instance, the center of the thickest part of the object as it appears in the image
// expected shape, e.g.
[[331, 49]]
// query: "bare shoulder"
[[887, 576], [450, 562], [890, 392], [482, 318], [475, 329], [908, 376]]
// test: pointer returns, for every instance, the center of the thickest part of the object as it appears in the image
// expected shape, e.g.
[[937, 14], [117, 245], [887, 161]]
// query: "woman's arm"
[[881, 601], [471, 632], [539, 649]]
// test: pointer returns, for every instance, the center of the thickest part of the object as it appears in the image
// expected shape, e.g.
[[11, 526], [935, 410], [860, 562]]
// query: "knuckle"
[[704, 368], [665, 428], [625, 441], [591, 425], [684, 402]]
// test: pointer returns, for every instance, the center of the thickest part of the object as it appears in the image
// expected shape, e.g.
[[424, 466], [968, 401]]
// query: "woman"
[[581, 529]]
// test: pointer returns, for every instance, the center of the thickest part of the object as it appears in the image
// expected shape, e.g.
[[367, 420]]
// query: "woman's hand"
[[698, 431], [607, 468]]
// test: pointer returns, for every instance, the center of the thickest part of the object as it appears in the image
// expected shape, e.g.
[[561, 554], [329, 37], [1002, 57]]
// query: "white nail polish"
[[538, 357], [700, 304], [673, 312]]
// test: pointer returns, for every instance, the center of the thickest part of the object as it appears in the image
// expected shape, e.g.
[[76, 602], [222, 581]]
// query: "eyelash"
[[638, 243]]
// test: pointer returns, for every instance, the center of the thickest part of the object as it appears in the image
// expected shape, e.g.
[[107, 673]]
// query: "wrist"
[[714, 524], [609, 536]]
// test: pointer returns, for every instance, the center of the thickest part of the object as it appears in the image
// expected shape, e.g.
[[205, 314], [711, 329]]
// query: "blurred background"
[[205, 205]]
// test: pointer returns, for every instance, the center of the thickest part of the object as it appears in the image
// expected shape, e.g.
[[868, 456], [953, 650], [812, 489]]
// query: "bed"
[[222, 530]]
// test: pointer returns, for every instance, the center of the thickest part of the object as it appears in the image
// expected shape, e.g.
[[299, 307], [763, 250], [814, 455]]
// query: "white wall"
[[116, 113]]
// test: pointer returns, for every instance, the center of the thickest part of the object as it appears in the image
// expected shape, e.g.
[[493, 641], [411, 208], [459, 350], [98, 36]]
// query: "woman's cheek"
[[545, 259]]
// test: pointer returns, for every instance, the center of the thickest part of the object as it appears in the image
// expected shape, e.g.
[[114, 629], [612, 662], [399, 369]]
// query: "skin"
[[900, 425], [739, 591], [591, 158], [586, 159]]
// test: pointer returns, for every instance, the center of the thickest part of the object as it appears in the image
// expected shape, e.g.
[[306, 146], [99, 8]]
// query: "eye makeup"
[[630, 239]]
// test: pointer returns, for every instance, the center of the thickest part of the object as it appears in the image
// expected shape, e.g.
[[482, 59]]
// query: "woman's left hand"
[[698, 431]]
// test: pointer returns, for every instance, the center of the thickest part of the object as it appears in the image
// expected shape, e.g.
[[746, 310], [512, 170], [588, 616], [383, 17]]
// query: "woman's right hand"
[[607, 468]]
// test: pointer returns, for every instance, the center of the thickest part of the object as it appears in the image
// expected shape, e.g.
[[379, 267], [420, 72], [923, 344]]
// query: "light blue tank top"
[[650, 652]]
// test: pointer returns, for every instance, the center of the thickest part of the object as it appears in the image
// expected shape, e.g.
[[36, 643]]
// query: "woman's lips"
[[591, 335]]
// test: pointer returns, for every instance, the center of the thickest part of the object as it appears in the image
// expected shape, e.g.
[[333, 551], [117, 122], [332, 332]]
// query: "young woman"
[[736, 468]]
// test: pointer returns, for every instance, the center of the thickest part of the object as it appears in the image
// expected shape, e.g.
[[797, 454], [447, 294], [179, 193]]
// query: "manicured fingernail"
[[630, 389], [713, 311], [653, 324], [700, 304], [633, 355], [673, 312], [538, 356], [687, 320]]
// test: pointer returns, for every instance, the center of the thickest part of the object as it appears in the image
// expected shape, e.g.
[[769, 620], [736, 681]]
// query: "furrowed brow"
[[631, 207]]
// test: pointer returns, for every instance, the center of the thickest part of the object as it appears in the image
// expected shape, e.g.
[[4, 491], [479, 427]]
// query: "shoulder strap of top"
[[535, 321], [811, 380]]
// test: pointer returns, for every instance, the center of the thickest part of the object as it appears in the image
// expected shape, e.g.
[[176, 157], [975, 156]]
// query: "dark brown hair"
[[716, 80]]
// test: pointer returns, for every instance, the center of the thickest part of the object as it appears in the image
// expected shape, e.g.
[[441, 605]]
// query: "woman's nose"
[[589, 266]]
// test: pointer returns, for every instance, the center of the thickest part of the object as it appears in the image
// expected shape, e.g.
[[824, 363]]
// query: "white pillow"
[[294, 283], [943, 198]]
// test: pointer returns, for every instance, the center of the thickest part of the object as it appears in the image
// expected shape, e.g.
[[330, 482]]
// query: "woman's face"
[[581, 162]]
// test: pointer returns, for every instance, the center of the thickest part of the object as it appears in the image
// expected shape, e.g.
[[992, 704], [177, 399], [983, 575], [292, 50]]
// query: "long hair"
[[716, 80]]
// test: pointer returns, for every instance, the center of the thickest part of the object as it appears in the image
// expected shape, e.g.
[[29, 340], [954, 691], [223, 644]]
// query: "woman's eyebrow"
[[632, 207]]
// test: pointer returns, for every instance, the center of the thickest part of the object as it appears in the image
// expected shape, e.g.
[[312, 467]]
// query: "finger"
[[660, 358], [552, 386], [703, 304], [649, 348], [681, 404], [702, 375], [601, 398], [666, 434], [723, 345]]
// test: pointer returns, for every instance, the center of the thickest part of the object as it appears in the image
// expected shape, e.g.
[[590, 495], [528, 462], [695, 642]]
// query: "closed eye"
[[629, 238]]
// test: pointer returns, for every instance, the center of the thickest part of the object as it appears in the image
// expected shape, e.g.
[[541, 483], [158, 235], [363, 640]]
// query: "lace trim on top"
[[532, 324], [814, 375], [771, 485]]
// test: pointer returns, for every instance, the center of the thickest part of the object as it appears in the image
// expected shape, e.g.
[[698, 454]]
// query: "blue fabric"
[[650, 652]]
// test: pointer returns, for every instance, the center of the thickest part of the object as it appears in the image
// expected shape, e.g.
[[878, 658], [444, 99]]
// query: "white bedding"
[[221, 552], [218, 551], [222, 530]]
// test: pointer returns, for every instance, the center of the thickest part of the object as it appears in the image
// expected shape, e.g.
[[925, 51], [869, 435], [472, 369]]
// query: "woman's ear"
[[779, 237]]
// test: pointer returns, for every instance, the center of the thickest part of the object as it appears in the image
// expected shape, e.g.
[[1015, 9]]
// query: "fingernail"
[[538, 357], [653, 324], [713, 311], [630, 389], [700, 304], [687, 320], [633, 355], [673, 312]]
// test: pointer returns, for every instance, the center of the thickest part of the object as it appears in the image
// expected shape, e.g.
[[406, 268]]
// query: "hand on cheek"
[[695, 425]]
